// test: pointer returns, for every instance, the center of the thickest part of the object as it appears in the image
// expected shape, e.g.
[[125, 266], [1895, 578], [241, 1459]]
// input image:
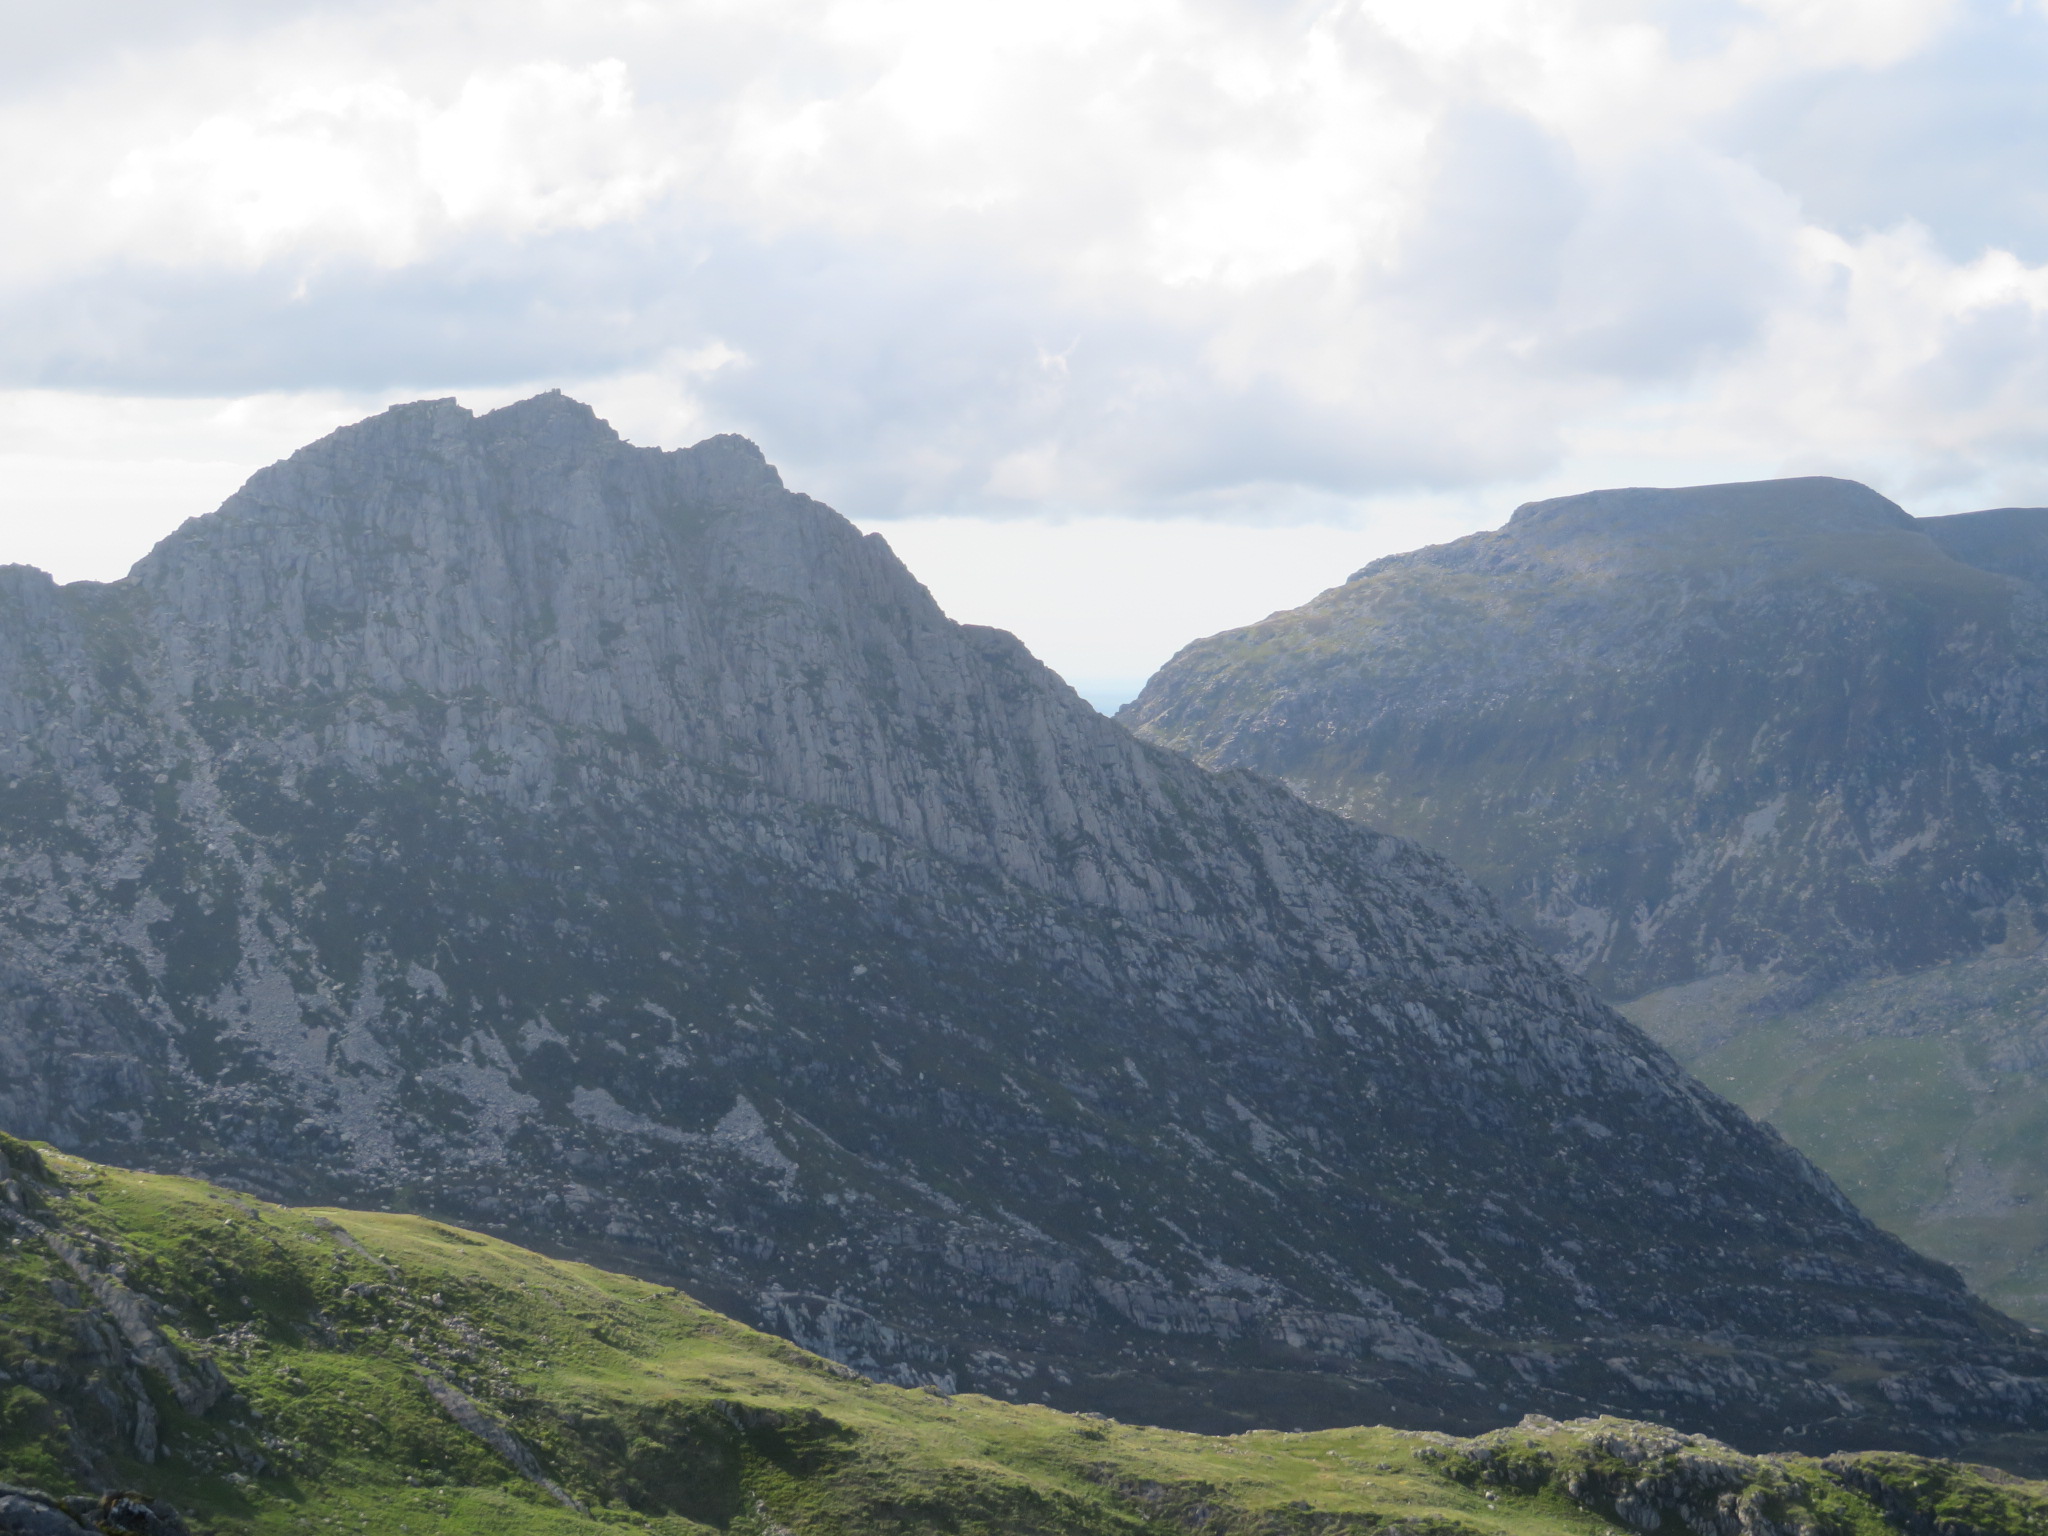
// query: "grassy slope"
[[1924, 1096], [655, 1414]]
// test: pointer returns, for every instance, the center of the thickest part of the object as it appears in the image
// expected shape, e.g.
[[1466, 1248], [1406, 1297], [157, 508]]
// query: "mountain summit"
[[481, 815], [1779, 727]]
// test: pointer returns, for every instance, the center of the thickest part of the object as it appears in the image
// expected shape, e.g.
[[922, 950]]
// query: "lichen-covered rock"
[[1650, 1479], [24, 1512], [610, 846], [28, 1512]]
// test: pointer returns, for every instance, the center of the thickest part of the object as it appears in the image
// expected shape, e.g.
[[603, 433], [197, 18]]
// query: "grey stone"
[[24, 1514]]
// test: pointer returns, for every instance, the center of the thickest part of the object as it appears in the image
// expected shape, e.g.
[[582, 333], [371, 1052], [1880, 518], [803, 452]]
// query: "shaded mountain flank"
[[485, 817], [1767, 761]]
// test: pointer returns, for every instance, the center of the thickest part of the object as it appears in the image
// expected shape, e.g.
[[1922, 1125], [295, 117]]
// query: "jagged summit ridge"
[[485, 814], [509, 594]]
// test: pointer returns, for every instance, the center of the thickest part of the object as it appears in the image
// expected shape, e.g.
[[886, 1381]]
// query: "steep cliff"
[[487, 817]]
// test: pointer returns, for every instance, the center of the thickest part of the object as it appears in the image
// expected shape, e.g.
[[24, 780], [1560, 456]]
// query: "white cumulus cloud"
[[1248, 261]]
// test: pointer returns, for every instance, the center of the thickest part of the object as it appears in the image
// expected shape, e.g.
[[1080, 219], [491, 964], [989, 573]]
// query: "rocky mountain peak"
[[486, 815], [1766, 531]]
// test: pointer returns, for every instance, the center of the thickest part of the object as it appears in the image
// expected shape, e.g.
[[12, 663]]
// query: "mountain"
[[485, 817], [1751, 757], [179, 1355], [1781, 726]]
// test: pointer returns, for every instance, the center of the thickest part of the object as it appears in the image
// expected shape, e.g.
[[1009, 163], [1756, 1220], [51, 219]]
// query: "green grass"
[[1924, 1096], [652, 1413]]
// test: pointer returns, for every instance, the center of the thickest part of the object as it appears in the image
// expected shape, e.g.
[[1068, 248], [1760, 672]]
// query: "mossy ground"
[[651, 1412], [1921, 1095]]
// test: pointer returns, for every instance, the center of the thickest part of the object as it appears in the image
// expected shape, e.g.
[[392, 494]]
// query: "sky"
[[1124, 321]]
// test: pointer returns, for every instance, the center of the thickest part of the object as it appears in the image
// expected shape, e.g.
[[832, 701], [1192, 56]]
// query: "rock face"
[[484, 816], [1782, 728]]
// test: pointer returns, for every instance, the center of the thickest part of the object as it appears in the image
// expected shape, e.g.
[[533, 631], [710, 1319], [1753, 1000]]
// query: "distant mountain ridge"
[[1779, 726], [484, 816]]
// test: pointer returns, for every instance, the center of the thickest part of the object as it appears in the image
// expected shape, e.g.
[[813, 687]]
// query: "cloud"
[[1950, 137], [1160, 257]]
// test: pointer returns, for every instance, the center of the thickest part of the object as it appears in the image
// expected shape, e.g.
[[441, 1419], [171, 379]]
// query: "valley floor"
[[1924, 1096]]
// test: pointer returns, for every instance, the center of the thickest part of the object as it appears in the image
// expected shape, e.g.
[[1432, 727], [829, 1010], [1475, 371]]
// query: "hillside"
[[1780, 726], [242, 1367], [481, 816], [1924, 1094], [1764, 760]]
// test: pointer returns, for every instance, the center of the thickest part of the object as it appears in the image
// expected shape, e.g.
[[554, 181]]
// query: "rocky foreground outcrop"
[[487, 817]]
